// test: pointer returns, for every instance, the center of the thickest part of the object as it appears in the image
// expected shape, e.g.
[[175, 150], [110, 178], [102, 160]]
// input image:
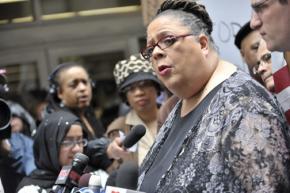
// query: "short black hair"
[[242, 33]]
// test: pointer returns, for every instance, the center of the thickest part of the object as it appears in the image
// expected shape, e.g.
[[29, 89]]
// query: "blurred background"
[[37, 35]]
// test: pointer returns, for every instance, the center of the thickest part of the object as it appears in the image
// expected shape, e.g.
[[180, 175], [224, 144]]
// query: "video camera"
[[5, 113]]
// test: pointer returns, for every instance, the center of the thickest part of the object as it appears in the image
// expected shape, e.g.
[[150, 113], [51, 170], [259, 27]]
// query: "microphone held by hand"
[[134, 136]]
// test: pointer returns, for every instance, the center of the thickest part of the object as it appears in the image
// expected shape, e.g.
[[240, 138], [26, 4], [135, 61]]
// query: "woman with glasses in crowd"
[[263, 68], [139, 88], [59, 137], [227, 133]]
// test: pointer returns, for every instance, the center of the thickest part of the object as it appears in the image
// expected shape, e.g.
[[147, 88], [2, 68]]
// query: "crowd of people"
[[222, 130]]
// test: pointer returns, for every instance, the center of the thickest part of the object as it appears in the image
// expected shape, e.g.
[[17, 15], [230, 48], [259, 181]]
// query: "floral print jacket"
[[240, 145]]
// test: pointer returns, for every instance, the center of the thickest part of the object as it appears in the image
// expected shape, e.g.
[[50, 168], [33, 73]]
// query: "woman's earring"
[[61, 104]]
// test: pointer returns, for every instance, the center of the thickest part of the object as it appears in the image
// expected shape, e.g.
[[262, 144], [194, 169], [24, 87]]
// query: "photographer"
[[5, 116], [5, 129], [16, 154]]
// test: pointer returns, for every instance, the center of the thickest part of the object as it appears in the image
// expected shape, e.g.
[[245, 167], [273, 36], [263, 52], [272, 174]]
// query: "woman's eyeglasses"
[[71, 143], [264, 59], [163, 43], [143, 84]]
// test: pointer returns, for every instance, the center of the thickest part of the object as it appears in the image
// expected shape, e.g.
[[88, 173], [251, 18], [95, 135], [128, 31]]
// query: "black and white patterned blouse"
[[240, 145]]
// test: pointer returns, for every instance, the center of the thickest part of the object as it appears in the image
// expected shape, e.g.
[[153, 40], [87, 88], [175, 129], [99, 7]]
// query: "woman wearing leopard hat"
[[139, 87]]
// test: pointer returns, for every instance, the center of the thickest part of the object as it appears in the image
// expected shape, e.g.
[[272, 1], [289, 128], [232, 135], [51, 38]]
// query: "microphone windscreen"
[[84, 180], [134, 136], [127, 175], [79, 157]]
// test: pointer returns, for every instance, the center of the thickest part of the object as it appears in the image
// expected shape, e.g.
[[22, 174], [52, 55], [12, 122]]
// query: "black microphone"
[[134, 136], [69, 175], [126, 179], [113, 189], [127, 175]]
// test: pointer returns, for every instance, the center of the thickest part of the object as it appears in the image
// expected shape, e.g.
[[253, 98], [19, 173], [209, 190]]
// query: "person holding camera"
[[19, 160]]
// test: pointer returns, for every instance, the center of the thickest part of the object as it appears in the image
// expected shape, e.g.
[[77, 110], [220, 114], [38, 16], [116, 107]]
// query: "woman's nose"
[[157, 53], [77, 148], [261, 68], [139, 90]]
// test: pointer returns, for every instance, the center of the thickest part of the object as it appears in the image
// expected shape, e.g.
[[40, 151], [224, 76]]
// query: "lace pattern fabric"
[[241, 144]]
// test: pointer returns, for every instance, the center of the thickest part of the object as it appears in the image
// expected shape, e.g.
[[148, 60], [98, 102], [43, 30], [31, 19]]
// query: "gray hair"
[[195, 24]]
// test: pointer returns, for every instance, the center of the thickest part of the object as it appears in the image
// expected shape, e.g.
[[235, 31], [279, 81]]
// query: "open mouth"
[[163, 69], [83, 98], [141, 103]]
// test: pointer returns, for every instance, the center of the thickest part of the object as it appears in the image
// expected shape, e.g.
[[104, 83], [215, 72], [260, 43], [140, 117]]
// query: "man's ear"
[[243, 55], [59, 93], [204, 43]]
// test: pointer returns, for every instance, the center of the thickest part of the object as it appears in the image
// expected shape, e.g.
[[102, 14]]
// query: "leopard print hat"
[[133, 70]]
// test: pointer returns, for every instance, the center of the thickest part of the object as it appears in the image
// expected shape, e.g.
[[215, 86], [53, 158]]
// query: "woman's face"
[[264, 67], [142, 96], [249, 47], [71, 144], [181, 66], [16, 124], [75, 89]]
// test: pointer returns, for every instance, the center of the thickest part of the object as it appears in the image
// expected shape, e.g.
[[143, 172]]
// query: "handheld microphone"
[[126, 179], [127, 175], [134, 136], [69, 175], [112, 189]]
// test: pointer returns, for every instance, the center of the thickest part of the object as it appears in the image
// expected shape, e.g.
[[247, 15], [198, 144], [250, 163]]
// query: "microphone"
[[95, 183], [125, 180], [134, 136], [89, 183], [112, 189], [69, 175], [127, 175]]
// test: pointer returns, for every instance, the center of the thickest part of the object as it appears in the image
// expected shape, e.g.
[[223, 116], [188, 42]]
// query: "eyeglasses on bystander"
[[68, 143], [264, 59]]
